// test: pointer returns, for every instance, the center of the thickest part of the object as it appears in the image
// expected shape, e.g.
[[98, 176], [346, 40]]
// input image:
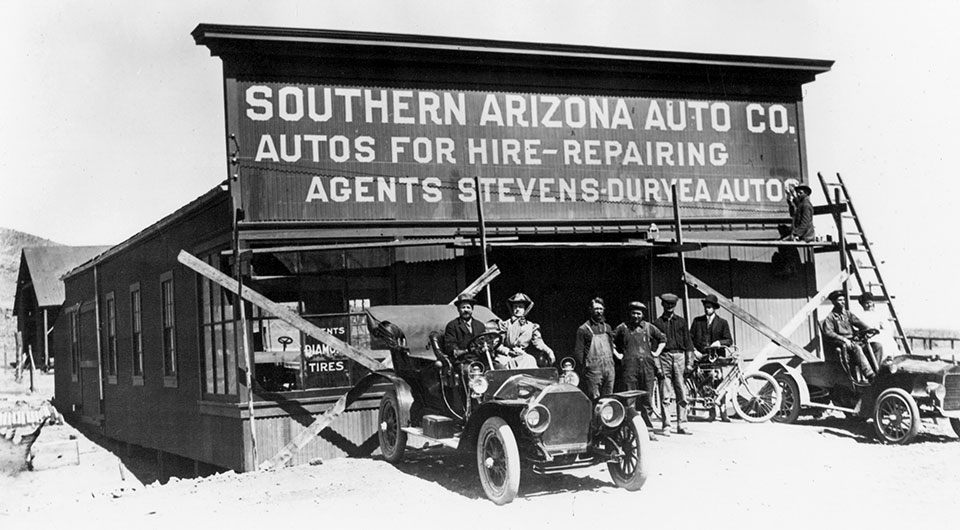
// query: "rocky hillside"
[[11, 243]]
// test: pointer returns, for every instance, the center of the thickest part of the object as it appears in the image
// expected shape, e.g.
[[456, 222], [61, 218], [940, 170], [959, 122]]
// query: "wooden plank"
[[799, 318], [749, 319], [279, 311], [482, 281], [313, 430]]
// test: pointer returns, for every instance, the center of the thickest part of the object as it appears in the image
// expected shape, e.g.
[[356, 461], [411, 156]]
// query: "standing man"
[[709, 330], [802, 212], [594, 351], [519, 336], [838, 329], [640, 343], [461, 330], [676, 359]]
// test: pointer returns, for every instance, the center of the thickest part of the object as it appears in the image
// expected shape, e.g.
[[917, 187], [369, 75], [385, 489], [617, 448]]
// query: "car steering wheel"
[[485, 342]]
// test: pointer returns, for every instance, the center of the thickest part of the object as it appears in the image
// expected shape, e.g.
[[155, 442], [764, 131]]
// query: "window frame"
[[136, 334], [168, 330], [110, 306]]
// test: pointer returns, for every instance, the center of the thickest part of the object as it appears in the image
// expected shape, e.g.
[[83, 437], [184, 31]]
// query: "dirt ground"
[[827, 472]]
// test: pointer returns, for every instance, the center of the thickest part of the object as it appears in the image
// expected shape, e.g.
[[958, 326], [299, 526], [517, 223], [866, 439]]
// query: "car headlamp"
[[478, 384], [937, 391], [610, 412], [537, 418]]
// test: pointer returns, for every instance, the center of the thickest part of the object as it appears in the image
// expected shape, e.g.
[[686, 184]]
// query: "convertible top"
[[417, 321]]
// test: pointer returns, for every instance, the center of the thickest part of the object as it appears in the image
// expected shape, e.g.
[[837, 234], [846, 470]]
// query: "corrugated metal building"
[[356, 164]]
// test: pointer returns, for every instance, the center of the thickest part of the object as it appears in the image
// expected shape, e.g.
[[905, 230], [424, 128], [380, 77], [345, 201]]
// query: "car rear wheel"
[[393, 440], [630, 470], [789, 399], [896, 417], [498, 461], [757, 397]]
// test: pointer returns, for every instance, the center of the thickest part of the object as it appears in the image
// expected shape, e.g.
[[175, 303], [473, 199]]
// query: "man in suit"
[[709, 330], [461, 330]]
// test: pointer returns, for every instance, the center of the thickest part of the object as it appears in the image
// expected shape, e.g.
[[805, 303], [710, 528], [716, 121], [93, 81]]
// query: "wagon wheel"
[[630, 470], [896, 417], [757, 397], [498, 461], [393, 439], [790, 401]]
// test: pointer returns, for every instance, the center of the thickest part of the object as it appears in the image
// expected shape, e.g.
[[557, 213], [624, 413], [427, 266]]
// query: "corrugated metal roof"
[[45, 266]]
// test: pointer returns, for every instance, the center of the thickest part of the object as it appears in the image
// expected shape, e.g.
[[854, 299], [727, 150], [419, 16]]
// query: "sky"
[[113, 117]]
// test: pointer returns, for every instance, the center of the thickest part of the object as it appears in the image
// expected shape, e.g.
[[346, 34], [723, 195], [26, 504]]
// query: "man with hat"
[[709, 330], [676, 359], [798, 199], [838, 328], [461, 330], [594, 351], [640, 342], [519, 336]]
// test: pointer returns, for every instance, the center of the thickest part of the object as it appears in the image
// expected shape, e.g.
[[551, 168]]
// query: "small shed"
[[40, 293]]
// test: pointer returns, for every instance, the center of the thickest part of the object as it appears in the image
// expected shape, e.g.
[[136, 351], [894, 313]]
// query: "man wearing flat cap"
[[709, 330], [640, 342], [676, 359], [838, 330], [461, 330], [801, 210], [520, 337]]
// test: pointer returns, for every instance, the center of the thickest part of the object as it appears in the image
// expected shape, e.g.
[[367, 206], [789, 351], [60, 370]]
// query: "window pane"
[[218, 357], [208, 364], [231, 358]]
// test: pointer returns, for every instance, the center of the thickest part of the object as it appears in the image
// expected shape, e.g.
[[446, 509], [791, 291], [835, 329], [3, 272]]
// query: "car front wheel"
[[498, 461], [896, 417], [630, 470], [393, 440]]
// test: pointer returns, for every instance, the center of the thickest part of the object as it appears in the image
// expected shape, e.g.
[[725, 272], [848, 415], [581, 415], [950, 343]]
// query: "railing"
[[929, 342]]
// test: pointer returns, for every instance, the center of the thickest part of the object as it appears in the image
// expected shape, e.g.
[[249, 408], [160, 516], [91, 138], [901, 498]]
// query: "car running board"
[[417, 440]]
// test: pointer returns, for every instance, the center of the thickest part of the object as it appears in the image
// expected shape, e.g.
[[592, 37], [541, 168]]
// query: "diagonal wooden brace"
[[279, 311], [482, 281], [749, 319], [798, 319]]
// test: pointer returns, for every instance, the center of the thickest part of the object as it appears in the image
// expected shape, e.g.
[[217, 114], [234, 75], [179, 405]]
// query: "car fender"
[[401, 387], [775, 368], [508, 409], [628, 398]]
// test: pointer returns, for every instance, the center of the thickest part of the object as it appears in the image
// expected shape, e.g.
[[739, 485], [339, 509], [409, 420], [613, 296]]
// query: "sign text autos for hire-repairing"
[[375, 145]]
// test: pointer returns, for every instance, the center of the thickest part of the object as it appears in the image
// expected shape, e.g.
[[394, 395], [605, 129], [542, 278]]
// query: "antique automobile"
[[906, 390], [530, 418]]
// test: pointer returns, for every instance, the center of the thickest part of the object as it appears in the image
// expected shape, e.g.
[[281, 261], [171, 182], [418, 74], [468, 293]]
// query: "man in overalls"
[[640, 342], [594, 351], [676, 359]]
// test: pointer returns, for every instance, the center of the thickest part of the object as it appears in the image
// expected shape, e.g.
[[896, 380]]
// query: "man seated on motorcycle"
[[838, 330]]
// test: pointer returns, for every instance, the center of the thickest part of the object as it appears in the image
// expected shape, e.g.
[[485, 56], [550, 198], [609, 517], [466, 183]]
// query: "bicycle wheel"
[[757, 397]]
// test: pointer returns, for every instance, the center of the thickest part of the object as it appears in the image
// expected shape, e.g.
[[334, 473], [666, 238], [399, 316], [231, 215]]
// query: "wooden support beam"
[[798, 319], [279, 311], [482, 281], [313, 430], [749, 319]]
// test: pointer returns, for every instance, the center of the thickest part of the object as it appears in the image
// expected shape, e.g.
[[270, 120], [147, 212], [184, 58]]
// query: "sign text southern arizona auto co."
[[336, 152]]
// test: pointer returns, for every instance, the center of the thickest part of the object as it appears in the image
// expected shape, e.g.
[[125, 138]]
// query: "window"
[[169, 331], [136, 334], [75, 344], [220, 343], [111, 307]]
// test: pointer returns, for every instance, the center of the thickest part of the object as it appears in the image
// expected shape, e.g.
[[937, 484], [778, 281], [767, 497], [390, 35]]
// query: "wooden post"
[[842, 241], [683, 261], [46, 340], [33, 388], [483, 235]]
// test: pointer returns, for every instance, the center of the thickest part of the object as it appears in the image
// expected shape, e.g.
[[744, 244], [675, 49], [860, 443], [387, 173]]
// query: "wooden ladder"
[[863, 263]]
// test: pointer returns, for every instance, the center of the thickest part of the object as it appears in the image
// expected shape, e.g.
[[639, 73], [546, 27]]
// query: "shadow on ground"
[[457, 472], [862, 431]]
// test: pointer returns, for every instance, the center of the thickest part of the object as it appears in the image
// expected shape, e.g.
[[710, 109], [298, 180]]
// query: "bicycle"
[[756, 396]]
